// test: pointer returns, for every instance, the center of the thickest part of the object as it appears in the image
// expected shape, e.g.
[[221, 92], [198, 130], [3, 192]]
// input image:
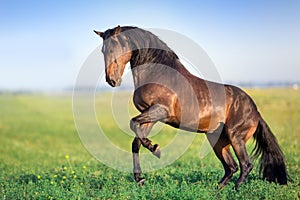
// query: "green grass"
[[38, 131]]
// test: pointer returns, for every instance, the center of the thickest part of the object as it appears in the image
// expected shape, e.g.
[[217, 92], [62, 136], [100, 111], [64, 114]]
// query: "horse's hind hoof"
[[236, 187], [156, 151], [141, 181], [220, 186]]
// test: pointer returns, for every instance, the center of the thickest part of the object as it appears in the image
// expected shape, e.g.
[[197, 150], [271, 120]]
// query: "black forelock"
[[110, 32]]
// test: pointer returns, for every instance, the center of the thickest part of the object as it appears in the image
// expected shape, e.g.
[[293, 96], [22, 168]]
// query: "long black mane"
[[148, 48]]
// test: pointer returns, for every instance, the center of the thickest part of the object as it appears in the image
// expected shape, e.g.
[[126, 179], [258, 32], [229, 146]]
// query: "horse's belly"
[[196, 122]]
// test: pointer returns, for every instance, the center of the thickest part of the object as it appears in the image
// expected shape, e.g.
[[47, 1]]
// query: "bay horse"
[[166, 91]]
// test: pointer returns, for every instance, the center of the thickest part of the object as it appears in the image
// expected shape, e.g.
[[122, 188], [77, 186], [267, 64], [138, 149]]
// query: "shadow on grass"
[[28, 178]]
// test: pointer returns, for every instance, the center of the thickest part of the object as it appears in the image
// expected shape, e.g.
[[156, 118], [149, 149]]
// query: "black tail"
[[272, 165]]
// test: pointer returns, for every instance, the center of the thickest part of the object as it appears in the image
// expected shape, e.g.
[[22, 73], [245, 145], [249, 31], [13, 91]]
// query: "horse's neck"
[[144, 73], [136, 77], [140, 74]]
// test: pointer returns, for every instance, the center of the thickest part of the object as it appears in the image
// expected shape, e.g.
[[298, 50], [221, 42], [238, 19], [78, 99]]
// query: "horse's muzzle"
[[113, 82]]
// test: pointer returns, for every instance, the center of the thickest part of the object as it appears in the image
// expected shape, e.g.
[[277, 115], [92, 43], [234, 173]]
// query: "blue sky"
[[44, 43]]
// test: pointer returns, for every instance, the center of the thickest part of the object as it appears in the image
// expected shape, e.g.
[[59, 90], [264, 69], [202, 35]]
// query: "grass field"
[[42, 157]]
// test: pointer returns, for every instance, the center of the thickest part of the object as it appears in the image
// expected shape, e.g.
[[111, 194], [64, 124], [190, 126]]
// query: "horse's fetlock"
[[234, 169]]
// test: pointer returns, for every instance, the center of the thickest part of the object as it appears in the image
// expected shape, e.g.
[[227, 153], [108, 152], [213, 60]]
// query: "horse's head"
[[116, 53]]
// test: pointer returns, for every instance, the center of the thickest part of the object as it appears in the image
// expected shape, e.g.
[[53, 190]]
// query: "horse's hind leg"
[[244, 161], [238, 141], [221, 146], [230, 166]]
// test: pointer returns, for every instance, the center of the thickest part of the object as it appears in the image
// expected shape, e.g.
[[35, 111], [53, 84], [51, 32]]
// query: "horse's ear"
[[99, 33], [117, 30]]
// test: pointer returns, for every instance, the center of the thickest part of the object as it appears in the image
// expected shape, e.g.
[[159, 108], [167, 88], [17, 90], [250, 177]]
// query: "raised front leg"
[[142, 125]]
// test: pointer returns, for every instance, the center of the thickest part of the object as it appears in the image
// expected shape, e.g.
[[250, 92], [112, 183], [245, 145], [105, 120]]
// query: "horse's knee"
[[133, 125]]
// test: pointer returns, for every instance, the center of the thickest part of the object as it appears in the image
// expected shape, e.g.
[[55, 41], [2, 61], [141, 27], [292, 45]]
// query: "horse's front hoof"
[[156, 151], [141, 181]]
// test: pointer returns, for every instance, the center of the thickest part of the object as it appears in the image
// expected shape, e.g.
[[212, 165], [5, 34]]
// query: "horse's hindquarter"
[[242, 115]]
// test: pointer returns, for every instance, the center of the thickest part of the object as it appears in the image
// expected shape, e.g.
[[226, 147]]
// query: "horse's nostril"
[[110, 81], [113, 82]]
